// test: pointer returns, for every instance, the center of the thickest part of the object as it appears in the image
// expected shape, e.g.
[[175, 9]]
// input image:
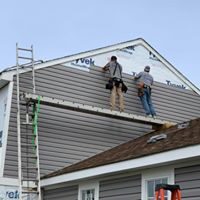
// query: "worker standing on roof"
[[116, 82], [144, 84]]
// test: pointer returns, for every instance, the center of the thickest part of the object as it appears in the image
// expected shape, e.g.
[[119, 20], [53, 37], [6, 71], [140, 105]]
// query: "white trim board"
[[152, 160], [156, 173], [6, 125], [9, 182], [139, 41]]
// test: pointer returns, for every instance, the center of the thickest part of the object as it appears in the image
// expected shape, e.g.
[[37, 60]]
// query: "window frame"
[[89, 186], [153, 174]]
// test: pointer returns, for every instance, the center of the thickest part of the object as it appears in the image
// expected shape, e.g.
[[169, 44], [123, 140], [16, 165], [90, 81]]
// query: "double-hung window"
[[151, 184], [150, 178], [88, 191]]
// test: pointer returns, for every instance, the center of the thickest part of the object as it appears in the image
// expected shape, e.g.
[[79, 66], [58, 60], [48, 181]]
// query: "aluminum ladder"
[[27, 134], [161, 188]]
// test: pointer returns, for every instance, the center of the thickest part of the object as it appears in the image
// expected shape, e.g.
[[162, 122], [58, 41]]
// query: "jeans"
[[147, 103]]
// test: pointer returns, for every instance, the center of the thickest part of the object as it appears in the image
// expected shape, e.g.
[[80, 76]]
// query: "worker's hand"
[[104, 69]]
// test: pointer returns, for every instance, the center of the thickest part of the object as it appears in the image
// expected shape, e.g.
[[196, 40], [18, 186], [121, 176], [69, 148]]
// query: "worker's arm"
[[136, 76], [106, 67]]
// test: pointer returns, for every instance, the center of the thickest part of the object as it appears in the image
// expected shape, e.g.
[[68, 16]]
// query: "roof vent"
[[183, 125], [156, 138]]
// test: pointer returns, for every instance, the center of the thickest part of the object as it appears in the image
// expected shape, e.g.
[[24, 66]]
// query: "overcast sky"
[[63, 27]]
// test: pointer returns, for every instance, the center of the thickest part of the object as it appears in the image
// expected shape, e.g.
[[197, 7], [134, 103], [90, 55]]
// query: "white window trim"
[[89, 185], [156, 173], [6, 125]]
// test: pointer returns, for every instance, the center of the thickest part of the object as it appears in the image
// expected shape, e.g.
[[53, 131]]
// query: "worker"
[[115, 82], [144, 84]]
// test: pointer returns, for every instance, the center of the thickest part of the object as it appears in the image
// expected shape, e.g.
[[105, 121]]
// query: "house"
[[131, 170], [67, 137]]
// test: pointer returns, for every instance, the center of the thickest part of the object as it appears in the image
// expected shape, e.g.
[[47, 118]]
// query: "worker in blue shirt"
[[144, 83]]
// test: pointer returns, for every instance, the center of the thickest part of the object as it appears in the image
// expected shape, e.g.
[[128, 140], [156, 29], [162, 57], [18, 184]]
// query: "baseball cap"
[[147, 69]]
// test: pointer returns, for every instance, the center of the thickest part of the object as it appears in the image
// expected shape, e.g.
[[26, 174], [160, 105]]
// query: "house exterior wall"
[[115, 187], [67, 137], [189, 180], [126, 188], [63, 193], [3, 103]]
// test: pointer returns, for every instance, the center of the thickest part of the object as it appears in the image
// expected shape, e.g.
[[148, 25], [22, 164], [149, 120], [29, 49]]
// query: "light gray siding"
[[67, 137], [126, 188], [189, 180], [63, 193]]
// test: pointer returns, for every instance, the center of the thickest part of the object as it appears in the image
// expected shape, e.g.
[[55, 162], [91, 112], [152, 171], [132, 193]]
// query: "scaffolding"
[[28, 149]]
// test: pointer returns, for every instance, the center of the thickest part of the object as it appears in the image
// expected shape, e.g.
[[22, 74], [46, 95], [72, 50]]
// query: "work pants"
[[117, 90]]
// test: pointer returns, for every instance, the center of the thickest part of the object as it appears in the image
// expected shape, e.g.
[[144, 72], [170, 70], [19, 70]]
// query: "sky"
[[65, 27]]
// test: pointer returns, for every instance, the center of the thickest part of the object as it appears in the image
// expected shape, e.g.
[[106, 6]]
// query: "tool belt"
[[116, 82], [146, 86]]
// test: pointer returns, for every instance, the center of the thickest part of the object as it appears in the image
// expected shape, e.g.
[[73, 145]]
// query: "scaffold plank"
[[96, 110]]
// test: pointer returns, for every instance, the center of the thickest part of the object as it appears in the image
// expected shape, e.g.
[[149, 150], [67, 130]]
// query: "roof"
[[8, 73], [179, 136]]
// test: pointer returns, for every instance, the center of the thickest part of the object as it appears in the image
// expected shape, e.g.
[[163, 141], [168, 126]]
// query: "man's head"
[[113, 58], [147, 69]]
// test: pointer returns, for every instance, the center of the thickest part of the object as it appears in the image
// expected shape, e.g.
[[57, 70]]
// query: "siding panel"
[[69, 193], [189, 180], [121, 188], [67, 137]]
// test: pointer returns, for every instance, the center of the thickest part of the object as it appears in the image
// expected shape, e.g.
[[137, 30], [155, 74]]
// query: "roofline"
[[78, 56], [94, 52], [138, 163], [172, 68]]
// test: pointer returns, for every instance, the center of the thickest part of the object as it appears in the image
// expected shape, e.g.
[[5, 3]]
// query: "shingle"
[[178, 136]]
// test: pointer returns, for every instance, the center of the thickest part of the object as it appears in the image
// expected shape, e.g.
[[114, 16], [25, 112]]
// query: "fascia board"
[[3, 83], [82, 55], [102, 50], [171, 67], [8, 76], [138, 163], [6, 125]]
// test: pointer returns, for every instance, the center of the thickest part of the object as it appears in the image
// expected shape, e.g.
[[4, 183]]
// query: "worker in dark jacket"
[[144, 83], [115, 70]]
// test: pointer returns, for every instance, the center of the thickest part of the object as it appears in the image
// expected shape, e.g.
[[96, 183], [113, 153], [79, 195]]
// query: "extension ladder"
[[161, 188], [28, 151]]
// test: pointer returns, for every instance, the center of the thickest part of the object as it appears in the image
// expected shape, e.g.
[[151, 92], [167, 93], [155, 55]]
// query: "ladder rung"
[[28, 145], [23, 49], [28, 124], [32, 192], [29, 179], [29, 168], [25, 58], [28, 136], [25, 104], [29, 156], [25, 123]]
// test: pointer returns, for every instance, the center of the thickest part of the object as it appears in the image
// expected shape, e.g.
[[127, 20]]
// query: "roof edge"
[[101, 50], [137, 163]]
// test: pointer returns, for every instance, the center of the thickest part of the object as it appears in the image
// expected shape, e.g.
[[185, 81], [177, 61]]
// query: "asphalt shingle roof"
[[178, 136]]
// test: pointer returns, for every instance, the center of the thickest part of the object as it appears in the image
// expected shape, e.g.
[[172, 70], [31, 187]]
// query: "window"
[[152, 177], [88, 191], [87, 194], [151, 184]]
